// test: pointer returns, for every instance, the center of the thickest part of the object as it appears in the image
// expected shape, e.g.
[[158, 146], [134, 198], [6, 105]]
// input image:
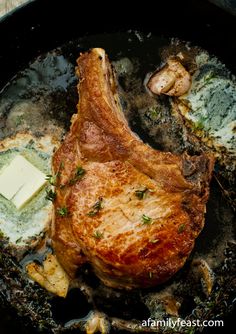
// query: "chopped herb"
[[79, 173], [199, 125], [62, 165], [19, 120], [150, 274], [50, 195], [30, 143], [18, 240], [153, 113], [63, 212], [154, 241], [141, 193], [146, 219], [181, 228], [72, 181], [97, 234], [209, 77], [51, 179], [96, 208]]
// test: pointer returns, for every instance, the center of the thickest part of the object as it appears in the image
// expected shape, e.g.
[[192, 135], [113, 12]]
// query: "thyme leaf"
[[141, 193], [62, 165], [79, 173], [146, 220], [181, 228], [52, 179], [97, 234], [95, 208], [63, 212], [50, 195]]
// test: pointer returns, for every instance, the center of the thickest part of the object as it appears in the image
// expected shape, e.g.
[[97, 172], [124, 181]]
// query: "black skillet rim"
[[41, 25]]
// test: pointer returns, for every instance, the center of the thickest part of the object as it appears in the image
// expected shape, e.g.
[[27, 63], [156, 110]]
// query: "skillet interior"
[[40, 31]]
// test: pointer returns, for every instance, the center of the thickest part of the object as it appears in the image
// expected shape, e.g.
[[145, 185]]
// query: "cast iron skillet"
[[43, 25]]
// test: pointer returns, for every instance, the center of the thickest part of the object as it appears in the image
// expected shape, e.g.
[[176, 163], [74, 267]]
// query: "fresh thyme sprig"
[[97, 234], [146, 220], [63, 212], [79, 173], [141, 193], [181, 228], [96, 208], [50, 195], [52, 179]]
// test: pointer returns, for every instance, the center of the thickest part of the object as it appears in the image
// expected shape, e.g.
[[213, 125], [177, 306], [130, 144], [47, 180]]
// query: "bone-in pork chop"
[[131, 211]]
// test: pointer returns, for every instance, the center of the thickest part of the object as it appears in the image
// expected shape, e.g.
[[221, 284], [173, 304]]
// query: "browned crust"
[[117, 162]]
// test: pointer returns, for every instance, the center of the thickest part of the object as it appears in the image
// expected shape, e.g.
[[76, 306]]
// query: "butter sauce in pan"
[[36, 106]]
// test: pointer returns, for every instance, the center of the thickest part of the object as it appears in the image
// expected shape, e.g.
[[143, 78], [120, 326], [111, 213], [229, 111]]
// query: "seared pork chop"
[[131, 211]]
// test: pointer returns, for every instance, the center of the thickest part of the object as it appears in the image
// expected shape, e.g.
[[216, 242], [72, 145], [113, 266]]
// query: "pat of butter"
[[20, 181]]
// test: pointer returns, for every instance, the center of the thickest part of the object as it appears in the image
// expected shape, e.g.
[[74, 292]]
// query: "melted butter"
[[34, 108], [22, 225]]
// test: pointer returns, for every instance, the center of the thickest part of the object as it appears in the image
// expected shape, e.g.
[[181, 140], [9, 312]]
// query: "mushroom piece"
[[173, 79]]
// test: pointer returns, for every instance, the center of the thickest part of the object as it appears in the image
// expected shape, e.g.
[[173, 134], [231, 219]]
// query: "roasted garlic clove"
[[205, 274], [171, 305], [172, 79], [97, 323], [50, 275]]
